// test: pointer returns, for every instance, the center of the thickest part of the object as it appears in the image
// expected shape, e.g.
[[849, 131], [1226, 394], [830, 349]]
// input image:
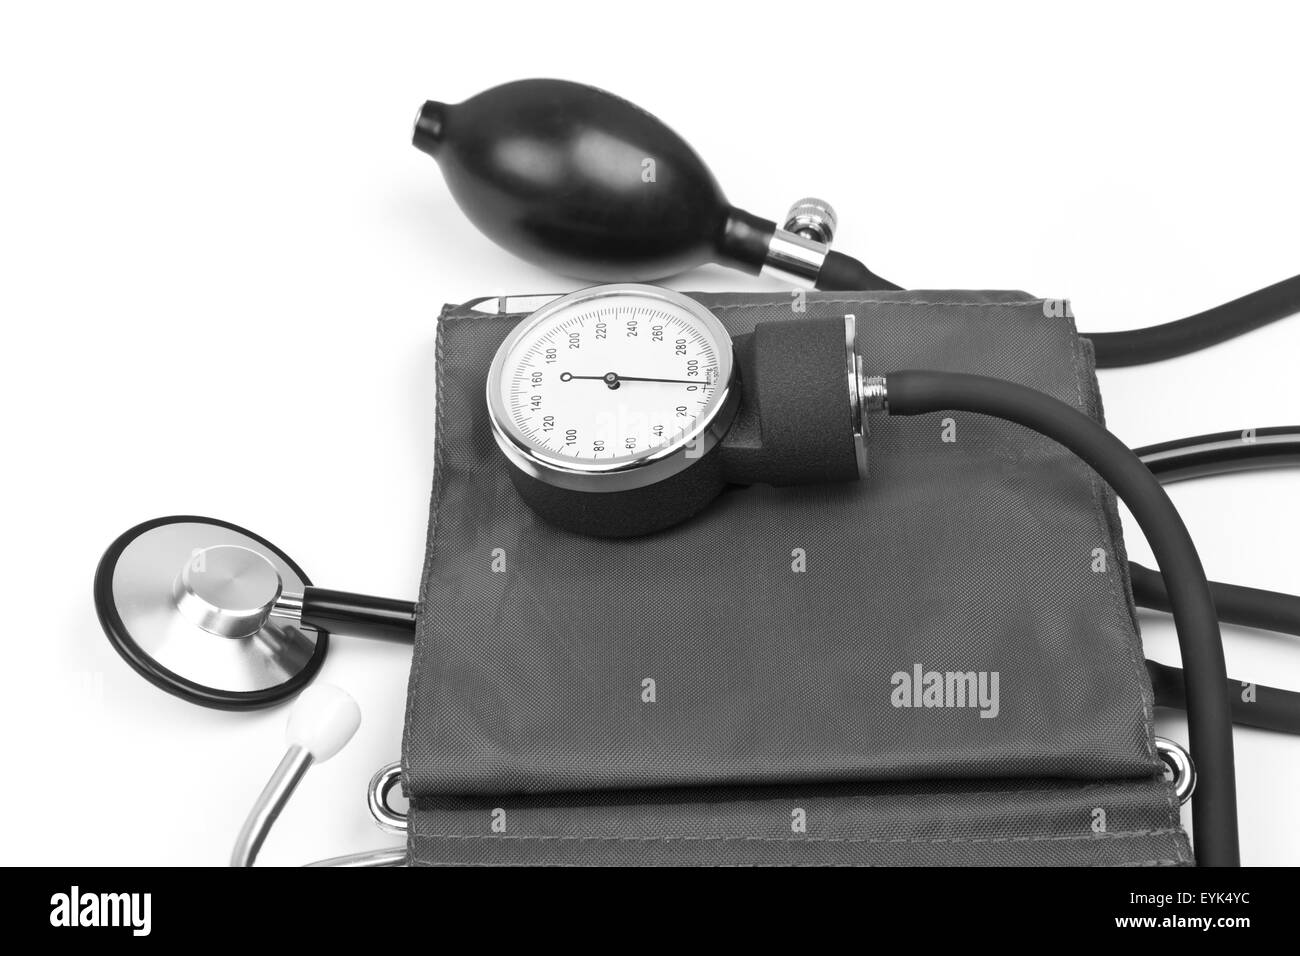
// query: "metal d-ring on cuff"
[[387, 819], [1179, 761], [381, 785], [857, 419]]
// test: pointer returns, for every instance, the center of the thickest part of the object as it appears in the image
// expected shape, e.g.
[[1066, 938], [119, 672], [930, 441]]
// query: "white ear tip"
[[323, 720]]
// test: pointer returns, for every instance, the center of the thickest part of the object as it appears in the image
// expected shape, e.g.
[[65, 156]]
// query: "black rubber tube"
[[1202, 456], [1269, 708], [1247, 607], [1253, 705], [1272, 708], [1209, 717], [843, 273], [1155, 343], [1159, 342]]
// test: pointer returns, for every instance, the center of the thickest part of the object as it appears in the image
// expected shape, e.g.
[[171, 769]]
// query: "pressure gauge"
[[612, 388], [619, 408]]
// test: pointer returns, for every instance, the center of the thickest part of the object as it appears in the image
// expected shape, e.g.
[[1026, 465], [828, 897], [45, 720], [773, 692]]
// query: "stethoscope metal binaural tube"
[[321, 723], [266, 810], [388, 856]]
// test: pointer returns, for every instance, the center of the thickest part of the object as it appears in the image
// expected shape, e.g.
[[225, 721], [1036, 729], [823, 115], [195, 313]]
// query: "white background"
[[221, 260]]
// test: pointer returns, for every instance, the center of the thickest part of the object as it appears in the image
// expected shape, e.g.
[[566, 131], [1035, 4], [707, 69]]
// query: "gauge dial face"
[[611, 377]]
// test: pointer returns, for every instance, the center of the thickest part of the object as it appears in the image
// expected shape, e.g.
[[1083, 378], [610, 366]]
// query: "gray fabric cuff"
[[779, 629]]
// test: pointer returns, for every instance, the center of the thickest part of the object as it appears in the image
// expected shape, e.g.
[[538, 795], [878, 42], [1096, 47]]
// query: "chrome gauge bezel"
[[640, 471]]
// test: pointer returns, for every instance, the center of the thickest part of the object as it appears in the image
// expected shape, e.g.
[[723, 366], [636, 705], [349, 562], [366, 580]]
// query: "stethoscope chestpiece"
[[203, 609]]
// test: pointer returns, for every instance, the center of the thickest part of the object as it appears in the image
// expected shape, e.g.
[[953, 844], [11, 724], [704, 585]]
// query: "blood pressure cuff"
[[936, 665]]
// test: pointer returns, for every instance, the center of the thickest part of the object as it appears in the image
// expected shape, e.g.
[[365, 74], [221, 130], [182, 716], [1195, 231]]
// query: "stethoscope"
[[217, 615]]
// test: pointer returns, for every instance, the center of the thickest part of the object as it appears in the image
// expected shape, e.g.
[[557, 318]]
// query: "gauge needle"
[[613, 379]]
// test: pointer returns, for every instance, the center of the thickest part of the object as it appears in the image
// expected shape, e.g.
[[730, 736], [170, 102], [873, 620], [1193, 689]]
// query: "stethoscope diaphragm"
[[192, 604]]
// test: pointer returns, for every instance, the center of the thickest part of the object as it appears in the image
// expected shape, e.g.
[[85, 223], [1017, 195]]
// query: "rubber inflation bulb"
[[583, 183], [322, 721]]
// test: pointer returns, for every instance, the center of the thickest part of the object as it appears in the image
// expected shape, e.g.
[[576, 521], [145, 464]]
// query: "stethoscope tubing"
[[1204, 456]]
